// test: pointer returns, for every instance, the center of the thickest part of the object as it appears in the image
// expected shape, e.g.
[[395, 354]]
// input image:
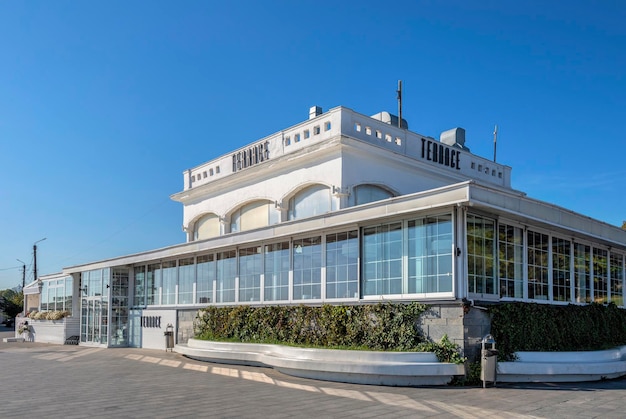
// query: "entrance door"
[[94, 289]]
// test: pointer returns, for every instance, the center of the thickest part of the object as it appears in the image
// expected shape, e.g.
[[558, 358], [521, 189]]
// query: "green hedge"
[[380, 327], [543, 327]]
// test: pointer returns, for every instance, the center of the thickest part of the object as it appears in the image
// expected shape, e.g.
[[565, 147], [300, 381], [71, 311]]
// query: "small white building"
[[344, 208]]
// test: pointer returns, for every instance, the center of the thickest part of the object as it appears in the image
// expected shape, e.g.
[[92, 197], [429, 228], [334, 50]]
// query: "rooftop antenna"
[[495, 141], [399, 91]]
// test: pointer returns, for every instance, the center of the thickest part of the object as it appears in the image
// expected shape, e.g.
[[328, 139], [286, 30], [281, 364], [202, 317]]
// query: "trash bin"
[[169, 337], [489, 361]]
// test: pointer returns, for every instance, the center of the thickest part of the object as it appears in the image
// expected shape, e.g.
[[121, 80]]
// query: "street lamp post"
[[35, 258]]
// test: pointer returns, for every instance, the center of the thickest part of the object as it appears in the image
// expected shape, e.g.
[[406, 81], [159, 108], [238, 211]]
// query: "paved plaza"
[[54, 381]]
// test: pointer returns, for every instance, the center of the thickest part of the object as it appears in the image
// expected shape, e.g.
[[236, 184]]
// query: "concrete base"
[[13, 340], [357, 367]]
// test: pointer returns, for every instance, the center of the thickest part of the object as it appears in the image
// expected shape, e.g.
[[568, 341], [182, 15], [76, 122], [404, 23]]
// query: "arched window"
[[311, 201], [370, 193], [254, 215], [206, 227]]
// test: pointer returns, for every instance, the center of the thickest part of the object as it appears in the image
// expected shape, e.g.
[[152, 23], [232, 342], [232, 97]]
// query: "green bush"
[[543, 327], [378, 327]]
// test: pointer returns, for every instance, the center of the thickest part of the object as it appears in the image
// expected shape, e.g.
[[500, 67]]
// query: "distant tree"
[[624, 225], [11, 302]]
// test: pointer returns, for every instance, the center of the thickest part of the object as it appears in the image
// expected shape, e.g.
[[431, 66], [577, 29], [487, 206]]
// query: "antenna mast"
[[495, 140], [399, 91]]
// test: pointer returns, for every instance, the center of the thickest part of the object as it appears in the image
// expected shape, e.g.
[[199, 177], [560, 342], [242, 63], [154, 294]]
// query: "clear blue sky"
[[103, 105]]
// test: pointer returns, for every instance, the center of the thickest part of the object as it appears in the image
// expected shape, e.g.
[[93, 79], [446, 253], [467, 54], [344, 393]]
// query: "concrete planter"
[[51, 331], [564, 366], [358, 367]]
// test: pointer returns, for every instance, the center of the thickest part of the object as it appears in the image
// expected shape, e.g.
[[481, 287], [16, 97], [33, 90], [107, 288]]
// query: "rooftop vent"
[[454, 137], [315, 111], [390, 119]]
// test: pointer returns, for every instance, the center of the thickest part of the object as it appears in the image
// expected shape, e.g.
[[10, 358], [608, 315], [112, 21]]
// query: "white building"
[[344, 208]]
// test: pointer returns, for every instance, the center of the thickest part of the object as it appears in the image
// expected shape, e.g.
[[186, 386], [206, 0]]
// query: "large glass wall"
[[538, 251], [410, 258], [382, 259], [277, 267], [250, 269], [600, 275], [617, 279], [307, 268], [511, 258], [430, 255], [536, 265], [561, 274], [481, 255], [206, 277], [226, 276], [56, 294], [186, 279], [582, 273], [342, 264], [169, 280]]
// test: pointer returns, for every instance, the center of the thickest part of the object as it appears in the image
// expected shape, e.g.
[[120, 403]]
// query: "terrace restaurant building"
[[345, 208]]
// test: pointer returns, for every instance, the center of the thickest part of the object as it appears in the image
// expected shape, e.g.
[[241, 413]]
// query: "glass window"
[[205, 278], [226, 275], [342, 261], [311, 201], [254, 215], [168, 277], [206, 227], [364, 194], [561, 282], [56, 295], [153, 284], [69, 292], [307, 268], [582, 274], [600, 275], [481, 253], [511, 254], [140, 286], [617, 279], [276, 272], [382, 259], [44, 296], [186, 278], [430, 255], [250, 261], [538, 250]]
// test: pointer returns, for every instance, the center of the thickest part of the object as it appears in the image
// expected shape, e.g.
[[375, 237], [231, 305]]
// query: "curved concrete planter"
[[358, 367], [564, 366]]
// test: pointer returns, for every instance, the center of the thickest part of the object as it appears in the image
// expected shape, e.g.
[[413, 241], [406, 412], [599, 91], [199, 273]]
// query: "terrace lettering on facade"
[[251, 156], [439, 153]]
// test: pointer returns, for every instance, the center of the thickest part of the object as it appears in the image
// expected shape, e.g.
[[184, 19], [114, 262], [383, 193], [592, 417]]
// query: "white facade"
[[346, 208]]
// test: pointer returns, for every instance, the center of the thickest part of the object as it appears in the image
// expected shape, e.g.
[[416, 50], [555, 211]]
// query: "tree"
[[11, 302], [624, 225]]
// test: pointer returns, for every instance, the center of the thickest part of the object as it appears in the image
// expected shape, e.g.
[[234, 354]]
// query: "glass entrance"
[[119, 307], [94, 322]]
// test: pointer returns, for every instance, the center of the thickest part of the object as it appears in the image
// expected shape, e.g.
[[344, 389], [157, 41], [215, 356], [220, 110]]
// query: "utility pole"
[[23, 285], [23, 273], [35, 257]]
